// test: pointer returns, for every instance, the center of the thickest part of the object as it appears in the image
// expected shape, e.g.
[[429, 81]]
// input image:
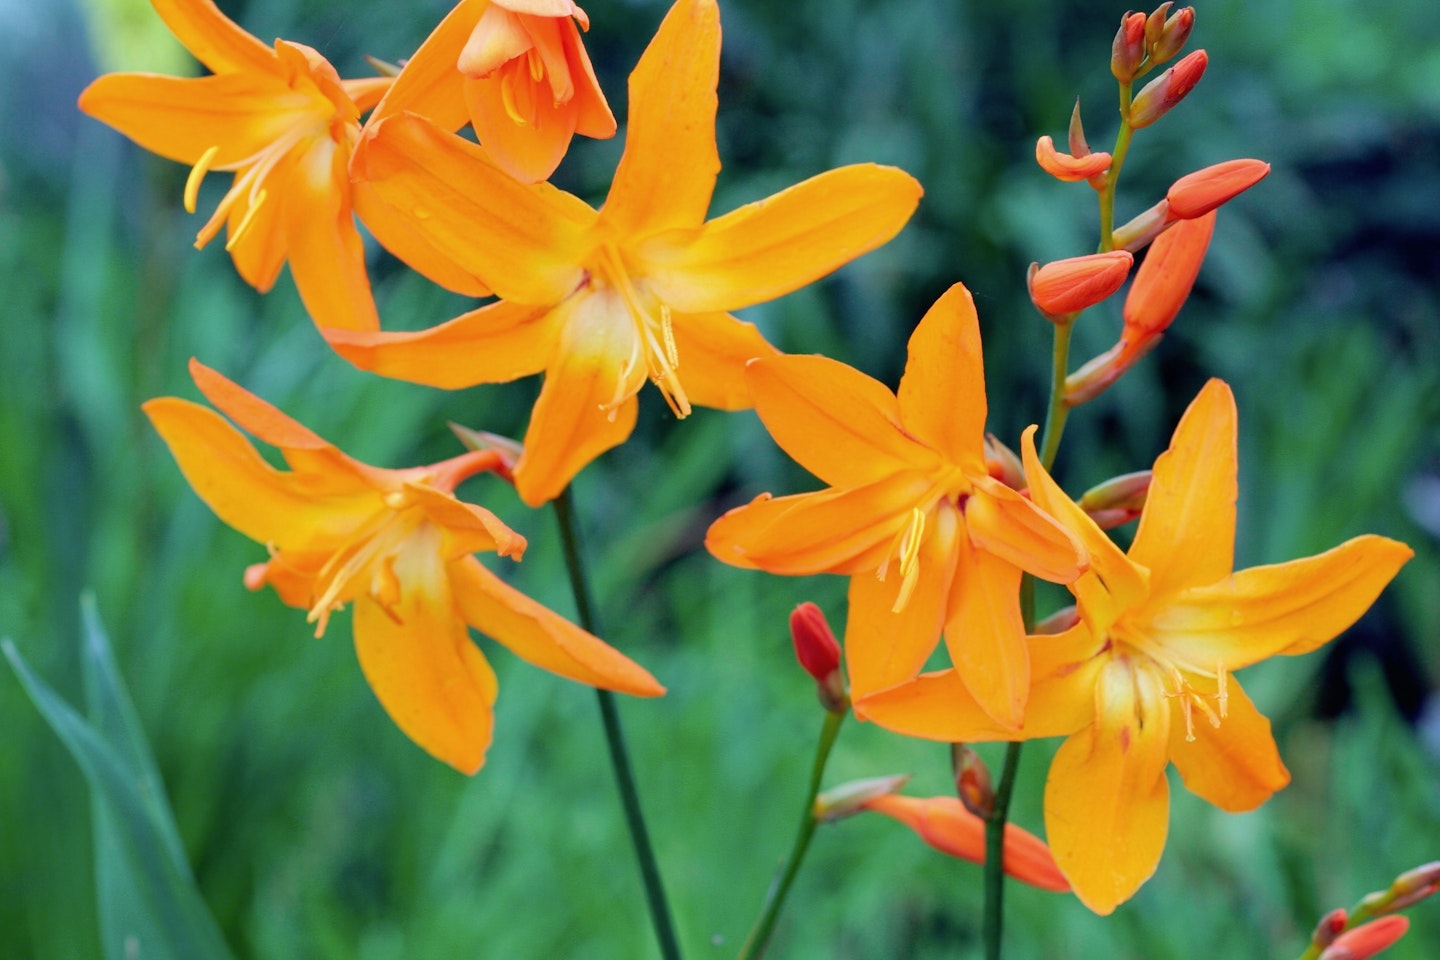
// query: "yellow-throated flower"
[[399, 546], [284, 123], [1144, 678], [932, 542], [602, 301]]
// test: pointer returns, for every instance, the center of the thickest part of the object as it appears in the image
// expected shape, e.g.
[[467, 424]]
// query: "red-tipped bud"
[[1173, 37], [819, 653], [854, 797], [1196, 194], [1330, 926], [1117, 500], [508, 450], [1164, 280], [1140, 232], [1415, 885], [1063, 166], [1367, 940], [1128, 50], [972, 780], [945, 824], [1155, 24], [1002, 463], [1166, 90], [1065, 287], [1058, 622]]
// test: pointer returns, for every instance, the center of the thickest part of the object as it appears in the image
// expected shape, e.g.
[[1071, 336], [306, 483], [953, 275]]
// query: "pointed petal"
[[667, 172], [773, 246], [468, 528], [1107, 802], [885, 646], [426, 672], [833, 420], [430, 82], [259, 250], [587, 404], [497, 343], [1005, 524], [255, 416], [1236, 765], [529, 151], [327, 257], [839, 530], [366, 92], [1286, 608], [713, 349], [541, 636], [985, 634], [942, 394], [498, 37], [213, 38], [1187, 532], [400, 235], [525, 242], [592, 113]]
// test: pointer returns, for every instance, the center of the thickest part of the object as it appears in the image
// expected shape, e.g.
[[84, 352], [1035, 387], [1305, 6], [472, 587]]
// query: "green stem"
[[760, 935], [1058, 410], [1112, 177], [994, 919], [615, 741]]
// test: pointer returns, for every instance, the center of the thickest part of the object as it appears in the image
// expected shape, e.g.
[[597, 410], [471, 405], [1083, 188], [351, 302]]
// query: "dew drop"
[[421, 213]]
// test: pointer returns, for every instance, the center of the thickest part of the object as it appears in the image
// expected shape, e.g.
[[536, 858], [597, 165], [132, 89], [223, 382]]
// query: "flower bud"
[[1002, 463], [819, 653], [1330, 926], [509, 450], [1163, 281], [1155, 24], [972, 780], [1069, 286], [1067, 168], [1058, 622], [1367, 940], [854, 797], [1140, 232], [1157, 97], [1076, 133], [1196, 194], [1411, 887], [1127, 53], [1117, 500], [1173, 37]]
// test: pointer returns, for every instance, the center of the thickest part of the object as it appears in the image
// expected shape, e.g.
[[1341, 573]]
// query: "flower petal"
[[1236, 765], [542, 637], [213, 38], [779, 244], [942, 394], [713, 349], [327, 257], [1285, 608], [497, 343], [366, 92], [528, 151], [468, 528], [425, 671], [833, 420], [1187, 531], [667, 172], [400, 235], [1107, 801], [1006, 525], [429, 85], [985, 634]]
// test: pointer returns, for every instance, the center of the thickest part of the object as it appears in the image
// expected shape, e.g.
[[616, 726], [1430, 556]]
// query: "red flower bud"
[[1069, 286], [1367, 939], [1166, 90], [1196, 194], [1330, 926], [819, 653], [1173, 37], [1117, 500], [972, 780], [1128, 50]]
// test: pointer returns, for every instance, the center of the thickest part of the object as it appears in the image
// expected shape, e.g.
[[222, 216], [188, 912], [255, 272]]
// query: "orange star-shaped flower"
[[603, 300], [931, 541], [1144, 679], [396, 543], [284, 122]]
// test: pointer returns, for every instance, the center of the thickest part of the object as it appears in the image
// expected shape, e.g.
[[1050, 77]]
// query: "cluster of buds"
[[1355, 935], [819, 654]]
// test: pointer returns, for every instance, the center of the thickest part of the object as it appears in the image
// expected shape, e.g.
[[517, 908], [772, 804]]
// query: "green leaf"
[[150, 908]]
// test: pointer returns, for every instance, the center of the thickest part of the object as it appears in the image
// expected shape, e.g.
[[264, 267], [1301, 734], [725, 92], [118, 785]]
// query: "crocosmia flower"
[[1145, 677], [931, 541], [604, 300], [399, 546], [284, 123]]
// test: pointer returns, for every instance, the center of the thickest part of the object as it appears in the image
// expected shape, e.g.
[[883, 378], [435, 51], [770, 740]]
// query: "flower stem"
[[615, 742], [1112, 176], [994, 919], [760, 934], [1058, 410]]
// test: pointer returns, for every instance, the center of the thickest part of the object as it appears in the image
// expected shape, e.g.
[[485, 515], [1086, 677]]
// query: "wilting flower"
[[284, 123], [930, 540], [396, 543], [517, 70], [601, 301], [945, 824], [1144, 678]]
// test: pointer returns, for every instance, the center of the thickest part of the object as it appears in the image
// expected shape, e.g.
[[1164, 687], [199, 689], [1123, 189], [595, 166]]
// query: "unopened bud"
[[1173, 37], [509, 450], [1065, 287], [1078, 146], [819, 654], [1067, 168], [1196, 194], [1165, 279], [1155, 24], [972, 780], [854, 797], [1058, 622], [1140, 232], [1158, 96], [1127, 53], [1002, 463], [1412, 886], [1117, 500], [1367, 940], [1095, 377], [1330, 926]]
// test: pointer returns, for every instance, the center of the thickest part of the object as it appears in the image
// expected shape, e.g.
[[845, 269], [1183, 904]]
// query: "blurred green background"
[[315, 829]]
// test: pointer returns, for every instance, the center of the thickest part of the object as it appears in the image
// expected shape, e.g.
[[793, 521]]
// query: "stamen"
[[661, 354], [910, 558], [667, 327], [197, 174], [1222, 692], [246, 220], [507, 99], [537, 65]]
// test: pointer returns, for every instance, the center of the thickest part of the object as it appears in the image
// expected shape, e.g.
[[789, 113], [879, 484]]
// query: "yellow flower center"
[[653, 346], [1178, 679], [365, 562]]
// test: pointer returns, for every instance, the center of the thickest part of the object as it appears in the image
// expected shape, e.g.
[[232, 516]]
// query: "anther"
[[910, 558], [246, 220], [197, 174]]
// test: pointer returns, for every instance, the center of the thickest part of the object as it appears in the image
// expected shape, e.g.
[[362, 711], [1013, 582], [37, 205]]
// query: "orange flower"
[[945, 824], [1196, 194], [603, 300], [1144, 678], [284, 122], [1064, 287], [1068, 168], [516, 69], [399, 545], [910, 494]]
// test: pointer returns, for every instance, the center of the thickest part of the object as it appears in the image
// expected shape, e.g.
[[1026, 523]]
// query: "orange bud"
[[945, 824], [1155, 24], [1128, 50], [1078, 146], [1140, 232], [1058, 622], [1166, 90], [1164, 280], [819, 653], [1330, 926], [1002, 463], [1367, 940], [1063, 166], [1069, 286], [508, 450], [1196, 194], [1117, 500], [972, 780], [1173, 37], [854, 797]]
